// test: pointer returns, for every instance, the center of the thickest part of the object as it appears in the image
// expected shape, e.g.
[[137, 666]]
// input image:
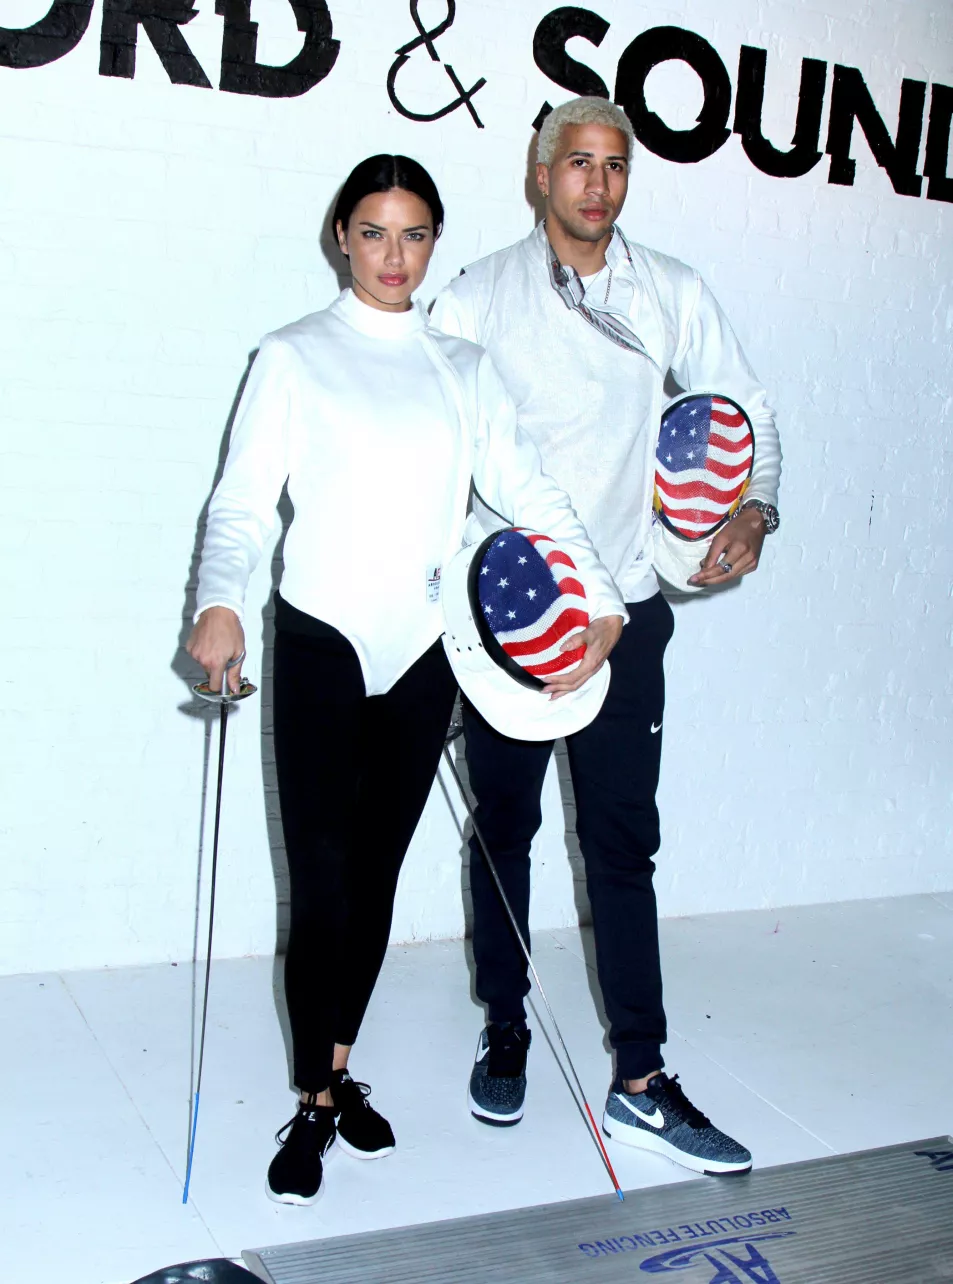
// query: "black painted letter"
[[161, 20], [803, 154], [940, 186], [550, 56], [850, 101], [549, 50], [243, 74], [660, 44], [52, 37]]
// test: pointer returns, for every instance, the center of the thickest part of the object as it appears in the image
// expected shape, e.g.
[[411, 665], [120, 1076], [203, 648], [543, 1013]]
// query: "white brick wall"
[[151, 232]]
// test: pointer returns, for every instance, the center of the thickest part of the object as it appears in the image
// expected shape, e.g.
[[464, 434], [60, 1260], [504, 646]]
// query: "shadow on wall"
[[185, 668], [534, 197]]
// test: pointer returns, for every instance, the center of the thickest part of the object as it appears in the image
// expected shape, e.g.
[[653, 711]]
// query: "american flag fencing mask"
[[527, 599], [509, 604], [703, 464]]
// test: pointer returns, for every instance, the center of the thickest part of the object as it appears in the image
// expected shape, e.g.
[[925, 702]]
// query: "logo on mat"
[[940, 1160], [736, 1261]]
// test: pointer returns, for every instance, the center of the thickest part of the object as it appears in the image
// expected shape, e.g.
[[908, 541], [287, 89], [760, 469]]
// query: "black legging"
[[354, 772]]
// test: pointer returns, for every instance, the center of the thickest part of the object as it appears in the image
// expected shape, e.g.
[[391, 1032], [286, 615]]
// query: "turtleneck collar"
[[375, 322]]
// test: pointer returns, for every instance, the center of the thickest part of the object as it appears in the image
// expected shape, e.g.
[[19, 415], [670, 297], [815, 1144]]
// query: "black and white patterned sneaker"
[[362, 1132], [498, 1079], [664, 1120], [296, 1172]]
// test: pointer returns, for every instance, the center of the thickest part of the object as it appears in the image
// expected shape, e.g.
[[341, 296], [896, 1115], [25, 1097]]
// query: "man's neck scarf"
[[568, 285]]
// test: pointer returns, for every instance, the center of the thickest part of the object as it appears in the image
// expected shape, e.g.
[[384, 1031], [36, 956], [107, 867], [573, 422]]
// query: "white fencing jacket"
[[591, 407], [378, 423]]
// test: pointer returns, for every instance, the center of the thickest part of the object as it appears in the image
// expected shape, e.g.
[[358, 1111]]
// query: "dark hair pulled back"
[[382, 174]]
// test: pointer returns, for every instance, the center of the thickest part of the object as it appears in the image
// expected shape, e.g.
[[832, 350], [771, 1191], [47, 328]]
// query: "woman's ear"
[[342, 237]]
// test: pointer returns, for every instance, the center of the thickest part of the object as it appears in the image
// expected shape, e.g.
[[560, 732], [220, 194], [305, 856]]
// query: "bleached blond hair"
[[581, 111]]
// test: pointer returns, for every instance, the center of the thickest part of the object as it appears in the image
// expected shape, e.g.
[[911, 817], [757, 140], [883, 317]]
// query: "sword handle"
[[230, 664]]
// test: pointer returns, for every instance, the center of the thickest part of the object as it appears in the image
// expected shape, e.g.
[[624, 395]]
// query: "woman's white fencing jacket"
[[377, 423]]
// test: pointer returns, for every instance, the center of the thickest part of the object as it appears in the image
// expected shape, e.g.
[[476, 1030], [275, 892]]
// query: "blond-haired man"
[[593, 410]]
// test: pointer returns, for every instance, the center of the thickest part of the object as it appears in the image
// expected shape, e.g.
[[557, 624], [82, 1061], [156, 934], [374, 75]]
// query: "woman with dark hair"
[[377, 423]]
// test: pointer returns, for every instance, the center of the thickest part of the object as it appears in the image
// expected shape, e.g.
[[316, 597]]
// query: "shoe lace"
[[281, 1136], [508, 1048], [350, 1093], [303, 1135], [676, 1096]]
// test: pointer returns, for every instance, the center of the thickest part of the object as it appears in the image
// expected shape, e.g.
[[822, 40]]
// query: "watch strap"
[[769, 514]]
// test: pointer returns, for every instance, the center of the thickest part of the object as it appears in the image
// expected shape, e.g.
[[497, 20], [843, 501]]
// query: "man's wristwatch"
[[769, 514]]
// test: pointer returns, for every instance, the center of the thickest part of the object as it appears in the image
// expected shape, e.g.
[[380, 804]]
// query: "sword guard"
[[245, 689]]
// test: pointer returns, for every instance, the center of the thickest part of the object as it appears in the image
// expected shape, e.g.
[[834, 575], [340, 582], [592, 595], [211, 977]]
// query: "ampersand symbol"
[[427, 38]]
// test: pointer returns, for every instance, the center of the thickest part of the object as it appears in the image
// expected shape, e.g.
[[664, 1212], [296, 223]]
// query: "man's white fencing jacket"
[[593, 408]]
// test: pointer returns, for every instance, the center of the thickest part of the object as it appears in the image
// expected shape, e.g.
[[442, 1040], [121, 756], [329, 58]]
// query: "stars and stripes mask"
[[702, 464], [526, 599], [509, 603]]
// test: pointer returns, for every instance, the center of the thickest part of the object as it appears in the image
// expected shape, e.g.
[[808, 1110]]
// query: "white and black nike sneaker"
[[663, 1119], [498, 1079], [361, 1131], [296, 1173]]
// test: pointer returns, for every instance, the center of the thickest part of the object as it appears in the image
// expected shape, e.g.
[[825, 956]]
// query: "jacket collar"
[[625, 280], [617, 256]]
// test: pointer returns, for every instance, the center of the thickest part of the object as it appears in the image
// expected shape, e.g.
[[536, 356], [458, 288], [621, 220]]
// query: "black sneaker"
[[295, 1173], [663, 1119], [498, 1079], [362, 1132]]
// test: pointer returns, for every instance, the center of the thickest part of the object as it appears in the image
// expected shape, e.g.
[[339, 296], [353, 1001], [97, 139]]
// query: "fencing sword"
[[452, 734], [224, 699]]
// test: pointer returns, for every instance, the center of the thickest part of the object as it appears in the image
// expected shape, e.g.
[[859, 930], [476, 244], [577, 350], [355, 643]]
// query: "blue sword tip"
[[188, 1166]]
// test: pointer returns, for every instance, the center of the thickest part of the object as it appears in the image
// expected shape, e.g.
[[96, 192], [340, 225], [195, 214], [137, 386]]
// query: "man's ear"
[[341, 235], [542, 179]]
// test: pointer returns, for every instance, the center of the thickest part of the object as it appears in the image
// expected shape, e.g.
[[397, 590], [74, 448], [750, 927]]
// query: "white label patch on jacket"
[[433, 583]]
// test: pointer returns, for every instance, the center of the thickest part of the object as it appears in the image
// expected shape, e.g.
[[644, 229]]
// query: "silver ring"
[[726, 567]]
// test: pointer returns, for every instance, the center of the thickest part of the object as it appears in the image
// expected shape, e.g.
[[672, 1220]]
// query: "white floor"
[[802, 1031]]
